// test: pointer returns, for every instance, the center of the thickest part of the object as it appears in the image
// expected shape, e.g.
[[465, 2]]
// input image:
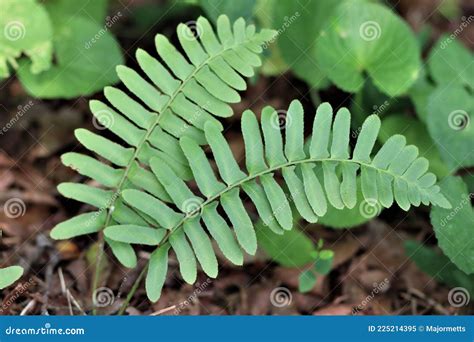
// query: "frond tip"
[[394, 173]]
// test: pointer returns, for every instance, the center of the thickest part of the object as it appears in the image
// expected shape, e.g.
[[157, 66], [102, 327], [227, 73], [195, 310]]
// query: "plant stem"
[[133, 290], [99, 258]]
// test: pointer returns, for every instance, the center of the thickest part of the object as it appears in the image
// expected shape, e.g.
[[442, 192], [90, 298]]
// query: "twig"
[[159, 312], [28, 307]]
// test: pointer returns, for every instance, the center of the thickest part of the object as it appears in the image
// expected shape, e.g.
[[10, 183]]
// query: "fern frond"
[[395, 173], [178, 95]]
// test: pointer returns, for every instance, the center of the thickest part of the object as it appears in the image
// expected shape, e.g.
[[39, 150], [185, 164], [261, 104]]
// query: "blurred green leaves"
[[233, 9], [25, 30], [453, 227], [299, 24], [85, 52], [84, 64], [291, 249], [438, 266], [450, 123]]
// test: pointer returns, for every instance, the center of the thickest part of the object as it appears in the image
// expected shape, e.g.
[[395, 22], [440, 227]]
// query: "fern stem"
[[134, 289], [99, 258]]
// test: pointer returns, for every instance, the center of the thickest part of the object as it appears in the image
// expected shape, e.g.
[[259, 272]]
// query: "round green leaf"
[[362, 37], [451, 63], [86, 59], [450, 124]]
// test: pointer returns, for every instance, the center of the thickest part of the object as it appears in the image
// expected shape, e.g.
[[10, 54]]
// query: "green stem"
[[267, 171], [134, 289], [100, 256]]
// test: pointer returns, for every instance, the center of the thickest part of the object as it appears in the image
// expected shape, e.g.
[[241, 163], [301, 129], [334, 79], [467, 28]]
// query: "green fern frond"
[[395, 173], [179, 94]]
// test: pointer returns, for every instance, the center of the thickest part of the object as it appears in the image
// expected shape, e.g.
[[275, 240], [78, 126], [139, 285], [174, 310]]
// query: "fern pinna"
[[152, 204]]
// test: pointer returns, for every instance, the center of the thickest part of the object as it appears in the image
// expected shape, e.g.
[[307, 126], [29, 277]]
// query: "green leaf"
[[62, 10], [419, 94], [202, 246], [323, 263], [451, 63], [450, 124], [438, 266], [453, 226], [243, 226], [130, 233], [365, 37], [84, 64], [292, 249], [123, 252], [306, 281], [185, 255], [156, 275], [79, 225], [362, 212], [9, 275], [26, 29], [233, 9], [301, 23]]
